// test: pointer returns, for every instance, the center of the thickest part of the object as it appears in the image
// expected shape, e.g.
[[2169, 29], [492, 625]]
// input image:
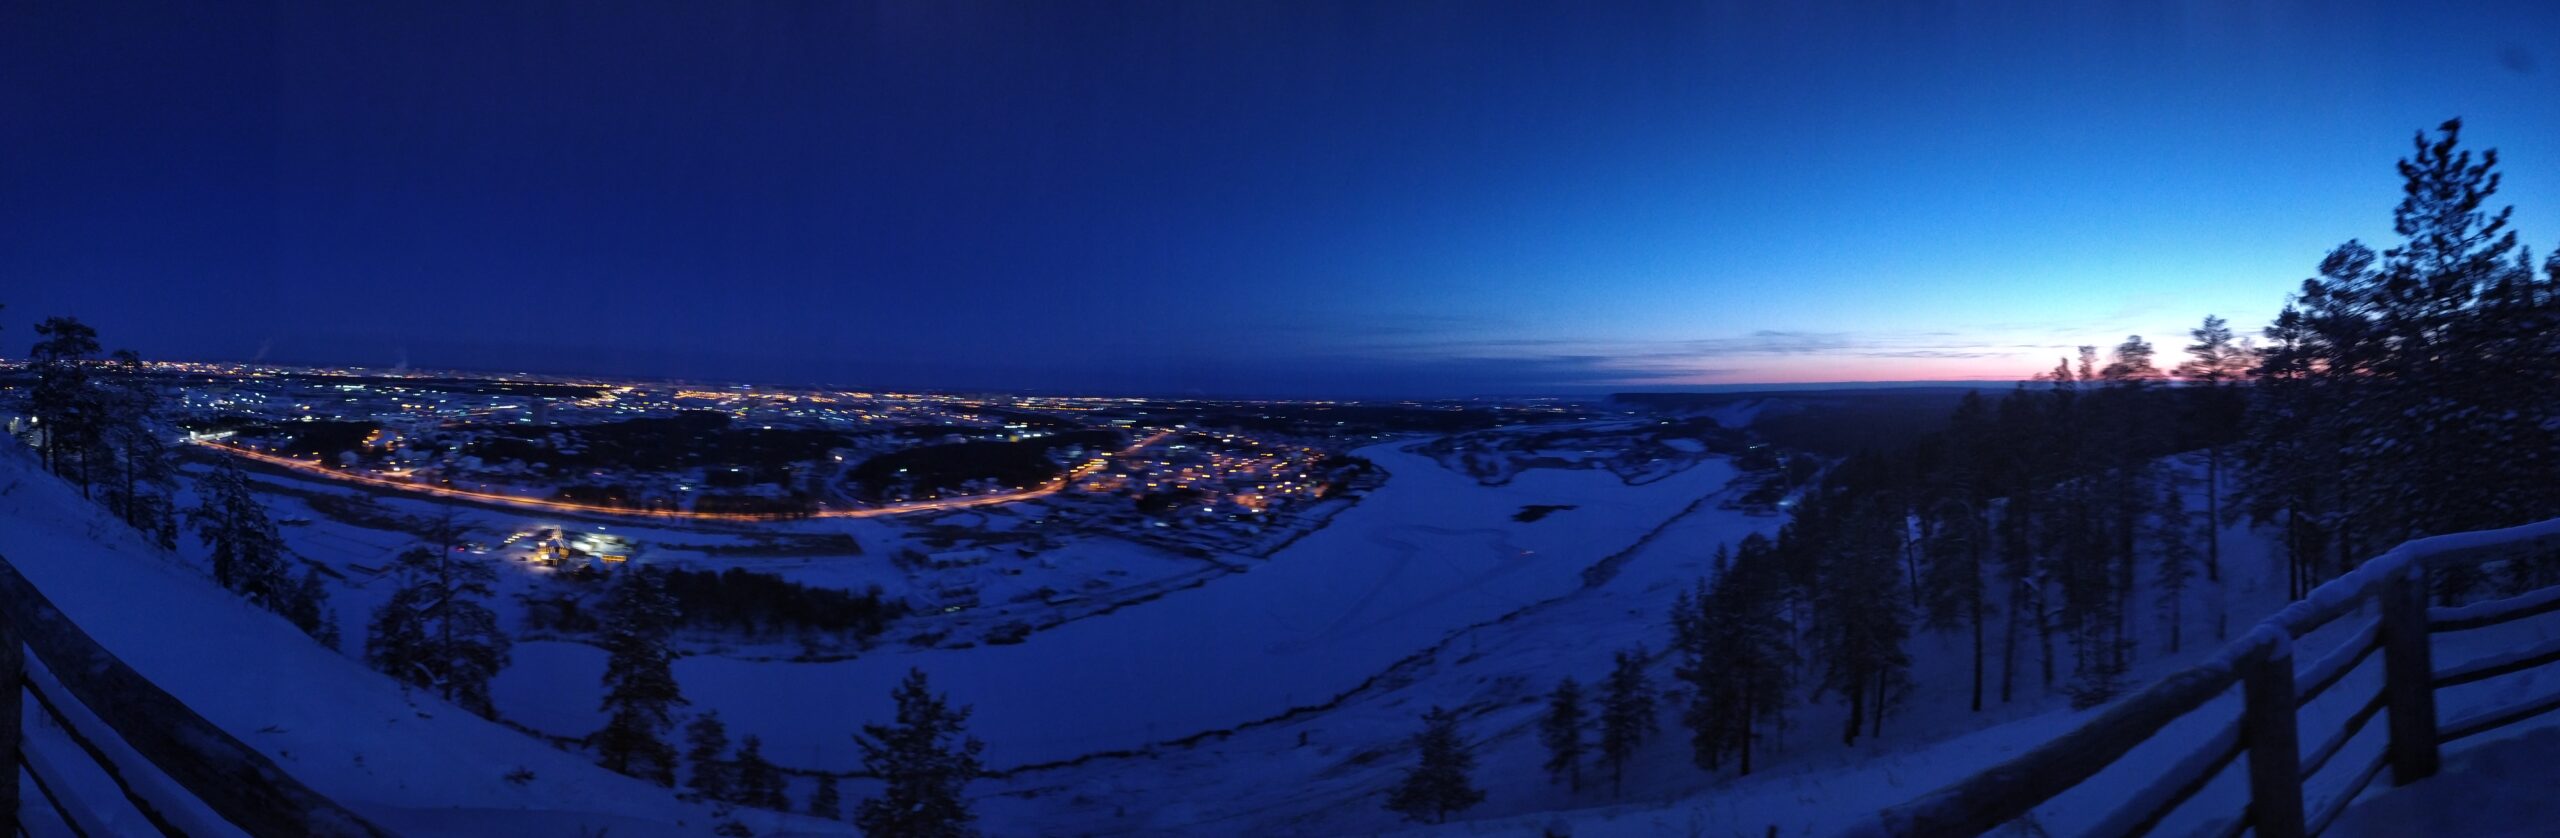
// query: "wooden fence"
[[136, 734], [2273, 692]]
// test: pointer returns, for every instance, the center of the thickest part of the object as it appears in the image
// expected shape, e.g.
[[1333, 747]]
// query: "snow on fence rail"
[[2260, 662], [118, 718]]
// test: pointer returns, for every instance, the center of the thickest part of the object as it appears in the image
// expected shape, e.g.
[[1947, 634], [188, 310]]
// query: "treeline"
[[2413, 391], [924, 760], [933, 470], [437, 632], [735, 599], [1833, 423], [706, 439], [95, 421], [2051, 504], [96, 425], [322, 439], [753, 603], [2400, 393]]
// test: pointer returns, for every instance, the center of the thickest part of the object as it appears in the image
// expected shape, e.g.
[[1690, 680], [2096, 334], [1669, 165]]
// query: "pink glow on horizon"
[[1830, 370]]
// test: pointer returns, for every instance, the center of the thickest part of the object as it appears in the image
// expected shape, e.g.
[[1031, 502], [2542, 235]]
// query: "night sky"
[[1221, 197]]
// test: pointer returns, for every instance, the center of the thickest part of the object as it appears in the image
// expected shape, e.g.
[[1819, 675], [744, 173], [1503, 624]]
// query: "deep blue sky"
[[1226, 197]]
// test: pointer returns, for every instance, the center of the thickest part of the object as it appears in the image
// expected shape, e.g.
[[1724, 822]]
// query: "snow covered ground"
[[2491, 786], [1100, 572], [1275, 700], [410, 762], [2496, 787], [1810, 784], [1327, 773], [2498, 783], [1430, 553]]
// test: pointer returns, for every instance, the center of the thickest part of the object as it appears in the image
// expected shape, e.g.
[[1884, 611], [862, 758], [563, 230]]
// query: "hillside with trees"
[[2053, 532]]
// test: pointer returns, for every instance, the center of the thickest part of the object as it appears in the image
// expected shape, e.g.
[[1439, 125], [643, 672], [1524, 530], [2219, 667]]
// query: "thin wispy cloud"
[[1584, 363]]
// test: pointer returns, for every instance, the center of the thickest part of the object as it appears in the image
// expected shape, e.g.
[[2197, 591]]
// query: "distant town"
[[742, 452]]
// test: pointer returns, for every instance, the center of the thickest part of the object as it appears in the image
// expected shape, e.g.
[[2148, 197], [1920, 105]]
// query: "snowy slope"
[[1818, 788], [1431, 552], [1425, 593], [1327, 773], [409, 762], [1811, 785]]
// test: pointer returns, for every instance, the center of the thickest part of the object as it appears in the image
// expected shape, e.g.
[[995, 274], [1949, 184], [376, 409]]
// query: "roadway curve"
[[1052, 487]]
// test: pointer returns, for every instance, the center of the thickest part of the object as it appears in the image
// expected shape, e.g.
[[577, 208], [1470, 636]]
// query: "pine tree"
[[1738, 669], [436, 633], [2132, 361], [308, 608], [824, 802], [248, 555], [706, 742], [1954, 584], [1438, 784], [1860, 619], [145, 481], [2216, 361], [2082, 500], [2174, 548], [65, 407], [1561, 731], [2463, 415], [2014, 530], [2091, 601], [471, 646], [1715, 665], [2411, 392], [2293, 443], [395, 642], [2131, 429], [926, 759], [1960, 542], [1626, 714], [1700, 643], [759, 782], [640, 685]]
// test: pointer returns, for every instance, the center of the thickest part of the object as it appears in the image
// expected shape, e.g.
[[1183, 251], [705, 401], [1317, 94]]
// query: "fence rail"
[[84, 688], [2261, 664]]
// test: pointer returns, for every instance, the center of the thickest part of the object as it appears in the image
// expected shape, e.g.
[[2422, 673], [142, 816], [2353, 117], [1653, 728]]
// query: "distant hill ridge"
[[1832, 422]]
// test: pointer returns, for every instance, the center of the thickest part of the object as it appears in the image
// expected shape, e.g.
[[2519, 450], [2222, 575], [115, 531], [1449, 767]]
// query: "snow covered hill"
[[2491, 784], [1812, 785], [1431, 552], [1429, 593], [1327, 773], [409, 762]]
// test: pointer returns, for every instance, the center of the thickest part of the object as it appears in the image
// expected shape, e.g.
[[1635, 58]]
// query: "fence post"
[[2275, 748], [13, 679], [2408, 679]]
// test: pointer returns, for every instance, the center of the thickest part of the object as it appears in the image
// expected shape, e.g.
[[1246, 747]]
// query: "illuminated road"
[[904, 508]]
